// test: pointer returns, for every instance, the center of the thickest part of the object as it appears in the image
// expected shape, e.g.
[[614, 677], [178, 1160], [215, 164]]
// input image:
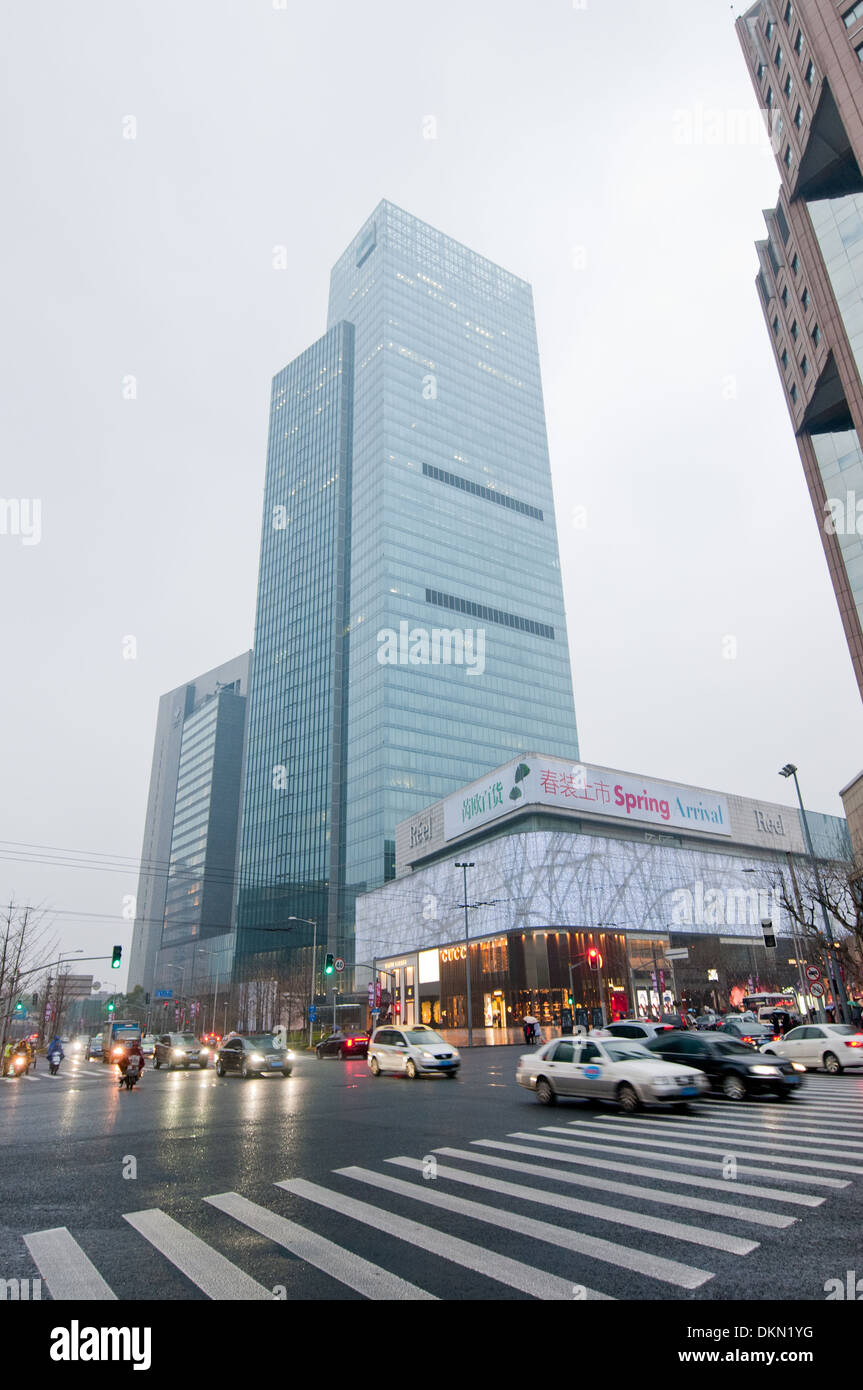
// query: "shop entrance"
[[494, 1010]]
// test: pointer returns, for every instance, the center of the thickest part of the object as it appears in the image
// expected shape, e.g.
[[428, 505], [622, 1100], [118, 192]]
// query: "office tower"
[[410, 628], [189, 857], [805, 59]]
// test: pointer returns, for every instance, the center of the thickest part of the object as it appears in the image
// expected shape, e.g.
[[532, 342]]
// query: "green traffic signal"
[[110, 1006], [116, 957], [19, 1007], [329, 967]]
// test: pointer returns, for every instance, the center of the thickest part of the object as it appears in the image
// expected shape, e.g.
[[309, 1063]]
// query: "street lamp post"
[[464, 867], [789, 770]]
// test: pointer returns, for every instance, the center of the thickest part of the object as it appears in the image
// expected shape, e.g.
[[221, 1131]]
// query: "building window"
[[778, 58], [804, 366], [789, 85], [771, 256], [760, 71], [794, 331], [784, 357], [798, 117], [795, 263], [787, 160], [477, 490], [789, 12], [851, 16], [770, 27], [794, 394], [489, 615], [782, 224], [810, 74], [769, 97], [804, 299], [816, 335], [798, 43], [785, 296], [775, 326], [859, 51]]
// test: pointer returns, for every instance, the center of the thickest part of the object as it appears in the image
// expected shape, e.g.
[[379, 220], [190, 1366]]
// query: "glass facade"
[[410, 630], [293, 803], [453, 526]]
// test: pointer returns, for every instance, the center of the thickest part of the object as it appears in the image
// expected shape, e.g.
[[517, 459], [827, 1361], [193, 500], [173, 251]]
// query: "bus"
[[118, 1033], [763, 1005]]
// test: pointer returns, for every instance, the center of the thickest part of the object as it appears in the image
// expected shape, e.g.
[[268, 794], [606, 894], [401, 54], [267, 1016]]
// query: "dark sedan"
[[253, 1054], [344, 1045], [731, 1067]]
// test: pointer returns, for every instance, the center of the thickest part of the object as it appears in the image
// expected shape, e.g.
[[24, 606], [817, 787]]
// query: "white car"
[[608, 1068], [411, 1051], [833, 1046], [148, 1044]]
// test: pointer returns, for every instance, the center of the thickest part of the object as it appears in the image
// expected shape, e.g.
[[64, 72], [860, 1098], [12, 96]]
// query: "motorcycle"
[[17, 1064], [54, 1063], [130, 1072]]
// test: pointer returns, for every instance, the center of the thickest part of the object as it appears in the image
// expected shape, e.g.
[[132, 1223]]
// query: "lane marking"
[[68, 1272], [217, 1277]]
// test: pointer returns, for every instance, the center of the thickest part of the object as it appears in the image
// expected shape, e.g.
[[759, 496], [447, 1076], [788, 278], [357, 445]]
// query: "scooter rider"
[[132, 1061], [55, 1054]]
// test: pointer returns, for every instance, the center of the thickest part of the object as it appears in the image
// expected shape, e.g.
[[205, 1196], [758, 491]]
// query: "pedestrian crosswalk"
[[593, 1205]]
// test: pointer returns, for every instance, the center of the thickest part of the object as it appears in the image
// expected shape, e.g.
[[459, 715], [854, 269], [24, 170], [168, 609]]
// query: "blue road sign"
[[313, 1013], [163, 994]]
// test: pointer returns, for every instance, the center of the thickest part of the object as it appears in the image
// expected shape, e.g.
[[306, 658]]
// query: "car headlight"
[[427, 1054], [256, 1057], [205, 1052], [764, 1070], [288, 1052], [798, 1066], [663, 1082]]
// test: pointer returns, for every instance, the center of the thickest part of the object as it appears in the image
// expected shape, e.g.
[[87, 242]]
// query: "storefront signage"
[[420, 832], [589, 790], [452, 953]]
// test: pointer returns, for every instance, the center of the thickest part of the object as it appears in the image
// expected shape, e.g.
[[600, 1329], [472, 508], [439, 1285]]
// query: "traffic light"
[[329, 965], [594, 959], [116, 957], [19, 1007], [35, 1004], [110, 1006], [569, 999], [146, 998]]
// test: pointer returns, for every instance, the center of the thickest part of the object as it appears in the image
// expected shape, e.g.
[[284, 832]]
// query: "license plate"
[[447, 1064], [689, 1090], [275, 1062]]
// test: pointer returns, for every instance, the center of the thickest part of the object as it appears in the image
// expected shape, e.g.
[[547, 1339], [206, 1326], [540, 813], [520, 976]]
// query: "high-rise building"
[[805, 59], [410, 628], [189, 858]]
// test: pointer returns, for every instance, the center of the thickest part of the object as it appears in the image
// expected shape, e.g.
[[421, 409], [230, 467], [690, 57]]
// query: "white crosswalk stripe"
[[728, 1210], [684, 1276], [64, 1267], [629, 1145], [214, 1275], [642, 1129], [350, 1269]]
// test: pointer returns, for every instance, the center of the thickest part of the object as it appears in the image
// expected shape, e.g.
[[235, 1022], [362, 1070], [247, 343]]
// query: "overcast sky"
[[604, 152]]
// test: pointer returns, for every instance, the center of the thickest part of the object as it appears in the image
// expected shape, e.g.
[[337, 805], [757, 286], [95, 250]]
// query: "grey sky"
[[576, 147]]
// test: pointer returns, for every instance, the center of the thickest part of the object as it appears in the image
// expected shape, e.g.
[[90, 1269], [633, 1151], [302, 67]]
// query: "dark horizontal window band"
[[488, 615], [478, 490]]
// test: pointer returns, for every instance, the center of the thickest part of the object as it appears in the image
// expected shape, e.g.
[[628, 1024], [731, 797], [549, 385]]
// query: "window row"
[[488, 615]]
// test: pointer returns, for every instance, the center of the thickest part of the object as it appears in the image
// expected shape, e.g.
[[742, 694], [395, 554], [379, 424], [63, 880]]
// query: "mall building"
[[559, 858]]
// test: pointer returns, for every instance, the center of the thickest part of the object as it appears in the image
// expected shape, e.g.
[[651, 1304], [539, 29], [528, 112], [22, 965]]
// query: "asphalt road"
[[760, 1200]]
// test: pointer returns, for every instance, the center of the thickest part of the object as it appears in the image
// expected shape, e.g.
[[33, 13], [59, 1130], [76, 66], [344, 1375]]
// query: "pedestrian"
[[537, 1031], [529, 1023]]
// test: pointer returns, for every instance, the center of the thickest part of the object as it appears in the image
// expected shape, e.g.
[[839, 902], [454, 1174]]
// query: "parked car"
[[706, 1022], [752, 1033], [253, 1054], [674, 1020], [179, 1050], [611, 1069], [343, 1045], [833, 1046], [636, 1029], [730, 1065], [411, 1051], [94, 1048], [148, 1044]]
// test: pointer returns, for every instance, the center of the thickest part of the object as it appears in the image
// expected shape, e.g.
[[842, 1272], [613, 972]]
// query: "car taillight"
[[854, 1042], [350, 1042]]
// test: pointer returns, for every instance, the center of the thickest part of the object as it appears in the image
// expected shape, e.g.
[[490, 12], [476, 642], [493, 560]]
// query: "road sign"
[[679, 953], [339, 963], [163, 994], [313, 1013], [812, 972], [371, 996], [817, 989], [378, 992]]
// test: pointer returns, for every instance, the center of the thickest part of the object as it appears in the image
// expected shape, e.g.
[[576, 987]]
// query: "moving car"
[[411, 1051], [80, 1045], [179, 1050], [833, 1046], [611, 1069], [148, 1044], [742, 1029], [636, 1029], [94, 1048], [343, 1045], [731, 1066], [253, 1054]]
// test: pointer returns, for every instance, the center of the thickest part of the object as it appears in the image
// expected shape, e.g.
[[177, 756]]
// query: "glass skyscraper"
[[411, 632]]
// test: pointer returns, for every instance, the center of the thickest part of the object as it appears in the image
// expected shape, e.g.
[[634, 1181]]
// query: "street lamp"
[[465, 868], [310, 923], [789, 770]]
